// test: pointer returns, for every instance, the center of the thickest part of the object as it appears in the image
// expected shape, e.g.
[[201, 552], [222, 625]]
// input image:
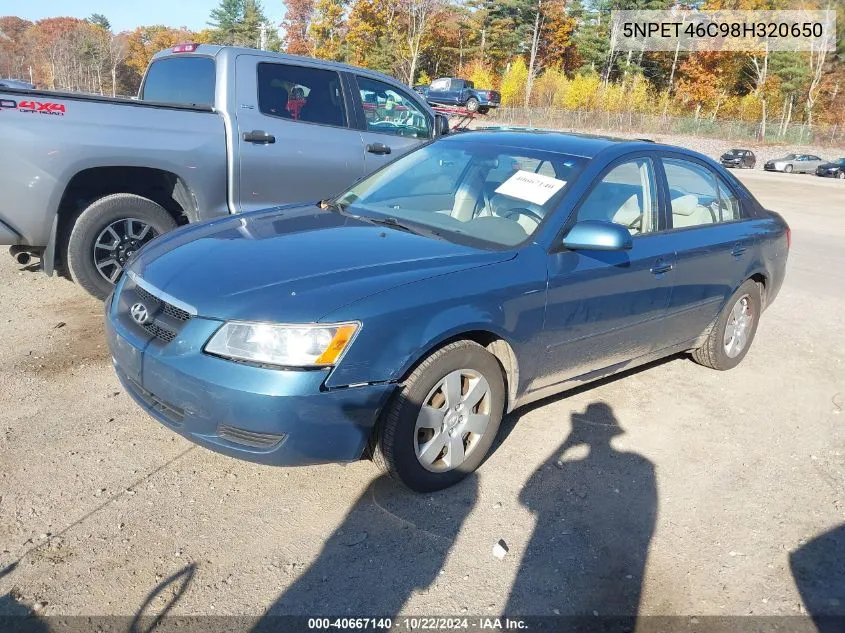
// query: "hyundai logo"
[[139, 313]]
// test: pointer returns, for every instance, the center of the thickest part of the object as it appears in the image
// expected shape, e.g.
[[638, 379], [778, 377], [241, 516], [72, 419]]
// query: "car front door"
[[604, 308], [295, 138], [394, 122], [714, 241]]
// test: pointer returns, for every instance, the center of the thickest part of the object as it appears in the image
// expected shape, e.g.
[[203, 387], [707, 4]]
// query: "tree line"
[[542, 53]]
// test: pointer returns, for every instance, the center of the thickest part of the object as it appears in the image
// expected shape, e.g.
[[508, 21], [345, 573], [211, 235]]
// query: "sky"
[[125, 15]]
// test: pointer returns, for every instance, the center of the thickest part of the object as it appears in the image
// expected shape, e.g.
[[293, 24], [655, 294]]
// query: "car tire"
[[788, 169], [841, 175], [472, 104], [716, 352], [401, 444], [127, 215]]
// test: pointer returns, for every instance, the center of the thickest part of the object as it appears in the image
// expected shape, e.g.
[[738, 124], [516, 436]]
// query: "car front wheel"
[[472, 104], [788, 169], [734, 330], [442, 421]]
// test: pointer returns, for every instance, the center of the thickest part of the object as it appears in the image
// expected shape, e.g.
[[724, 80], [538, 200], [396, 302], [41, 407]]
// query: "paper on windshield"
[[531, 187]]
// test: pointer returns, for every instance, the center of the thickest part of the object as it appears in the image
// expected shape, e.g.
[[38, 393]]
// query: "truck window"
[[185, 80], [389, 110], [300, 93]]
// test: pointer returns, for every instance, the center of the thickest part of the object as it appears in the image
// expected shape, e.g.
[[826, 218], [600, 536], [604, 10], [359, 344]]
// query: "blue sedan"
[[402, 319]]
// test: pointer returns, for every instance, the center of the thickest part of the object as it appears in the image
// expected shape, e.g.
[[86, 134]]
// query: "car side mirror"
[[441, 123], [597, 235]]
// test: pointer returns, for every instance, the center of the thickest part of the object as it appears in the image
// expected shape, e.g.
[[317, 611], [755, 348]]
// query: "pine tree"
[[225, 21]]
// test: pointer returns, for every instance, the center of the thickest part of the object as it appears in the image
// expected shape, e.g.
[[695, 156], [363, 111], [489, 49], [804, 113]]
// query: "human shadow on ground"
[[391, 544], [818, 568], [596, 509]]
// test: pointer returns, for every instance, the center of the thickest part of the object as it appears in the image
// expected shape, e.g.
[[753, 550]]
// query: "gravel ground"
[[709, 495]]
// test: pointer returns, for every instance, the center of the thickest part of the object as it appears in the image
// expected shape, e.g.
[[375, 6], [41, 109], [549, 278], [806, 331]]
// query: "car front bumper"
[[263, 415], [827, 173]]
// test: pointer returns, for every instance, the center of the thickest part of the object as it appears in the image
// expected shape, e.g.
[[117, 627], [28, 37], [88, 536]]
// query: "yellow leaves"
[[514, 82], [582, 93], [479, 74]]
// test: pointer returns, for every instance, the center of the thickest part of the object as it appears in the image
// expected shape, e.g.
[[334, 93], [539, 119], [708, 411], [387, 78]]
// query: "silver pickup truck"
[[214, 130]]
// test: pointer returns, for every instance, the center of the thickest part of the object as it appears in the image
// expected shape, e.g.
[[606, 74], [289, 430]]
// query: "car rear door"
[[392, 124], [605, 308], [714, 242], [296, 140]]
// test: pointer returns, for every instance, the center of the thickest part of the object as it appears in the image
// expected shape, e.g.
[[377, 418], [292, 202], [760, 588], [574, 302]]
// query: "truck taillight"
[[185, 48]]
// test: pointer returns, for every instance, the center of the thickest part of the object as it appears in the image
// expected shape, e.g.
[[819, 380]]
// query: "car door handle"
[[660, 267], [738, 250], [378, 148], [259, 136]]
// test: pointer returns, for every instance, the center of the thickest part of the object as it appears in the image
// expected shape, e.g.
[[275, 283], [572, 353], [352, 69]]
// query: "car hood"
[[831, 165], [294, 264]]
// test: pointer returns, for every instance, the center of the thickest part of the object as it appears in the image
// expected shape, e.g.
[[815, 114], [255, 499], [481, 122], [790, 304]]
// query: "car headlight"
[[316, 345]]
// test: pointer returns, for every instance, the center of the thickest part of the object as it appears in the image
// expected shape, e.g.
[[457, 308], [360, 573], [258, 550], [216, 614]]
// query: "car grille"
[[164, 319], [174, 415], [253, 439]]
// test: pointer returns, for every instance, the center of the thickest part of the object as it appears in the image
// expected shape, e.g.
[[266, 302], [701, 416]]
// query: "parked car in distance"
[[836, 169], [741, 158], [460, 92], [474, 275], [214, 130], [15, 83], [798, 163]]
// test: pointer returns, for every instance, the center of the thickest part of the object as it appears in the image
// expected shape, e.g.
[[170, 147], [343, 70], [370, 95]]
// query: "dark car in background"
[[460, 92], [402, 319], [836, 169], [738, 158]]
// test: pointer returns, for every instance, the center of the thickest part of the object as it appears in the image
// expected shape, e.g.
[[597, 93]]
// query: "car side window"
[[301, 93], [626, 195], [439, 84], [693, 194], [388, 110], [729, 208]]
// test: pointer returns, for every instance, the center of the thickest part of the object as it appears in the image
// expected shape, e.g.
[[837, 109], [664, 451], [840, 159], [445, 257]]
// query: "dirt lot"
[[693, 505]]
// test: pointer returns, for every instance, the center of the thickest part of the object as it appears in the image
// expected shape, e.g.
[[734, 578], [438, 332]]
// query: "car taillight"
[[788, 238], [185, 48]]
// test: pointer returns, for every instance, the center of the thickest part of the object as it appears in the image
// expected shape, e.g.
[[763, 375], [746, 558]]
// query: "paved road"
[[671, 490]]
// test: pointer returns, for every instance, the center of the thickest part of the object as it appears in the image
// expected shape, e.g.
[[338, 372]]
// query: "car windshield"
[[467, 192], [841, 161]]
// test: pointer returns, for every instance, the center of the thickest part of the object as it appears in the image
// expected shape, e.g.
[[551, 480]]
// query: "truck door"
[[294, 139], [395, 123]]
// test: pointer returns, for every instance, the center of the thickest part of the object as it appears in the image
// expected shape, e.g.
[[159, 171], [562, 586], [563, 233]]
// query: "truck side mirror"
[[441, 124]]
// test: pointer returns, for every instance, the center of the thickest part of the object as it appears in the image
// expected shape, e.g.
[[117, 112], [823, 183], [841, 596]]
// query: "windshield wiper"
[[402, 226]]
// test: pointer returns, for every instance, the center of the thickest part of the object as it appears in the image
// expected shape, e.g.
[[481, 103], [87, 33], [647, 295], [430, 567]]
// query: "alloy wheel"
[[117, 243]]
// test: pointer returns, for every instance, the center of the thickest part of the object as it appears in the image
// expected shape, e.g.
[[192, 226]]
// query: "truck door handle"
[[378, 148], [259, 136], [738, 250], [660, 267]]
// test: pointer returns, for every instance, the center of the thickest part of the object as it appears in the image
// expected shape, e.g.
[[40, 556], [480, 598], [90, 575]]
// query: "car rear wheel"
[[107, 233], [472, 104], [841, 175], [443, 419], [788, 169], [734, 330]]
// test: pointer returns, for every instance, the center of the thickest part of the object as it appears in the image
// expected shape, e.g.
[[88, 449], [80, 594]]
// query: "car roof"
[[584, 145]]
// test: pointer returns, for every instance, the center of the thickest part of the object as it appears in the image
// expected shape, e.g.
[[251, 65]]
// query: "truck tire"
[[460, 390], [483, 110], [472, 104], [107, 233], [734, 330]]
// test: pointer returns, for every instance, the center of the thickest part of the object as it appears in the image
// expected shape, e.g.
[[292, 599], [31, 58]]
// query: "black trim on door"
[[358, 121]]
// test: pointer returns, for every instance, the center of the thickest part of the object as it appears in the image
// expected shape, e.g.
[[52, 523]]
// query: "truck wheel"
[[472, 104], [440, 424], [107, 233], [733, 331], [483, 110]]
